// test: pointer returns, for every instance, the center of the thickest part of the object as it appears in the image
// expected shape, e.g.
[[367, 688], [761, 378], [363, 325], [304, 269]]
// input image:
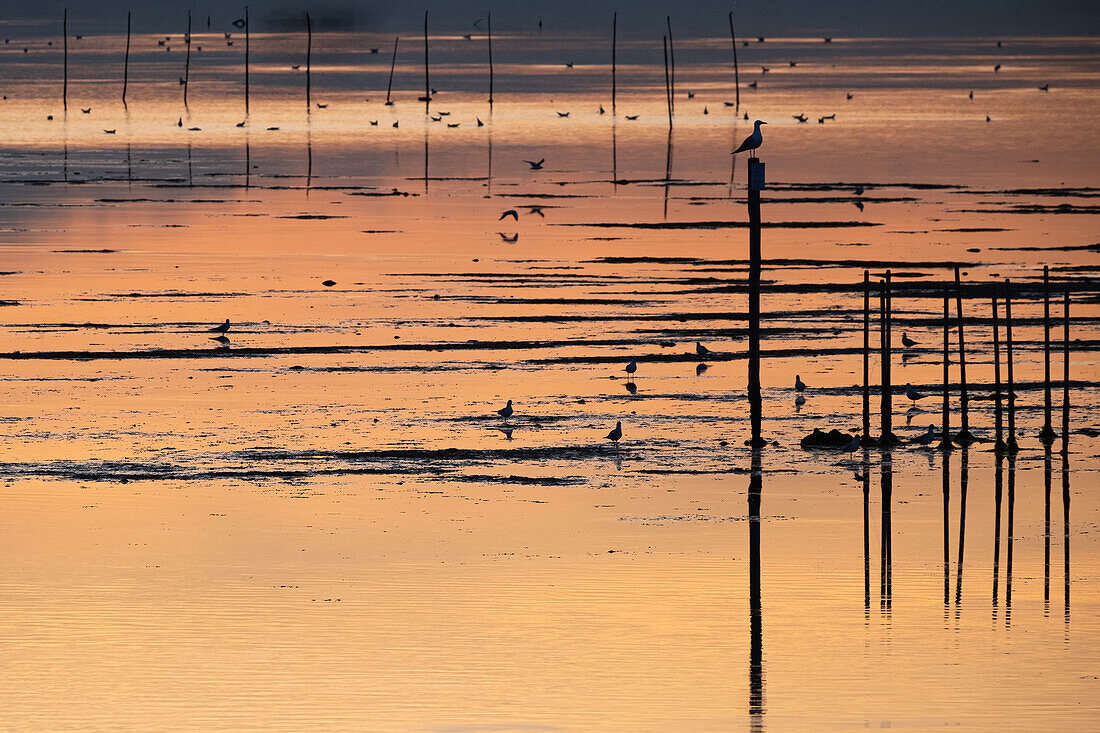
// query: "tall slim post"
[[736, 71], [866, 353], [65, 41], [668, 89], [126, 61], [427, 76], [886, 407], [1046, 435], [672, 65], [999, 445], [393, 62], [1065, 377], [246, 49], [964, 437], [187, 60], [756, 183], [614, 43], [1011, 442], [945, 437], [490, 25], [309, 59]]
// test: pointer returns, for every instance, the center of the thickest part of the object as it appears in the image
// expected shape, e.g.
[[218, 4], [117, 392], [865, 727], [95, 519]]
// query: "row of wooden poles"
[[964, 437], [669, 54]]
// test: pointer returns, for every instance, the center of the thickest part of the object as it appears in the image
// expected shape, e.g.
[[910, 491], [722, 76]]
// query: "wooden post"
[[65, 41], [126, 61], [999, 445], [309, 59], [672, 65], [187, 60], [393, 62], [736, 72], [755, 181], [246, 43], [964, 437], [668, 89], [1065, 379], [614, 43], [886, 407], [490, 25], [866, 353], [945, 438], [1046, 435], [1011, 442], [427, 76]]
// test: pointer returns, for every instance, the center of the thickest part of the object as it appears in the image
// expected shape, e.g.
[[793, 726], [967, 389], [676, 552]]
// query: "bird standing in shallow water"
[[906, 341], [912, 393], [506, 411], [617, 432], [223, 328], [701, 350], [852, 445], [798, 384], [753, 141], [927, 438], [632, 367]]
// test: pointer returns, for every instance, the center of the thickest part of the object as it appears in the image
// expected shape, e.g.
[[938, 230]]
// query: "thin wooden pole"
[[1011, 442], [246, 49], [866, 354], [65, 41], [964, 436], [668, 89], [427, 76], [490, 26], [886, 410], [187, 61], [1000, 444], [672, 64], [1046, 435], [755, 402], [126, 61], [945, 438], [309, 60], [614, 44], [1065, 379], [393, 62], [736, 71]]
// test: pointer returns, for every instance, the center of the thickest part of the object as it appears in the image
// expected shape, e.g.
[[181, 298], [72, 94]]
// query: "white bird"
[[632, 367], [617, 432], [701, 350], [753, 141], [912, 393], [906, 341], [799, 386], [926, 438], [506, 411]]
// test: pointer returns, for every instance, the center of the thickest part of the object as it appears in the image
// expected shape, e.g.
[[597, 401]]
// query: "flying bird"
[[373, 123], [563, 114], [617, 432], [510, 240], [86, 111], [510, 212], [109, 132], [753, 141], [535, 165], [506, 411], [800, 117]]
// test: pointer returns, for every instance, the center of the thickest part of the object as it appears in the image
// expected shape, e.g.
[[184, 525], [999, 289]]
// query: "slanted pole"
[[187, 60], [866, 353], [1011, 442], [736, 71], [668, 89], [126, 61], [945, 438], [393, 62], [672, 65]]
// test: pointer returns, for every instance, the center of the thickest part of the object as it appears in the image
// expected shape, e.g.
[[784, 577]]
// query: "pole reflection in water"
[[247, 159], [886, 550], [1046, 530], [668, 169], [309, 153], [756, 640], [964, 478], [190, 177], [1008, 537], [998, 489], [489, 172], [866, 480], [1065, 532], [946, 532], [426, 156], [615, 155]]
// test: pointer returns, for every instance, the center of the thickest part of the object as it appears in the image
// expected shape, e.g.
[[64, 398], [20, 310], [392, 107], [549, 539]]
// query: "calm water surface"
[[323, 524]]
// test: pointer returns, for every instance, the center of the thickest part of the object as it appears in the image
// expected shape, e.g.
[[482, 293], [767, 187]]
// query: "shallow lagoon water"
[[323, 527]]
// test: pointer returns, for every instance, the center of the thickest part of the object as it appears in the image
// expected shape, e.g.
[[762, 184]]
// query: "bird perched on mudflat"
[[506, 411], [617, 432], [510, 212], [799, 385], [753, 141], [701, 350], [926, 438], [906, 341], [632, 367], [223, 328], [852, 445], [912, 393]]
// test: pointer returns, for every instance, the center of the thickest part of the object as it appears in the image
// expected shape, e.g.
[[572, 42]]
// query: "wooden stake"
[[866, 353], [246, 49], [736, 72], [126, 61], [672, 65], [427, 76], [1046, 435], [393, 62], [187, 61], [614, 43], [945, 438], [65, 82], [755, 403], [490, 25], [668, 89], [1011, 442], [886, 408], [309, 57], [1000, 443]]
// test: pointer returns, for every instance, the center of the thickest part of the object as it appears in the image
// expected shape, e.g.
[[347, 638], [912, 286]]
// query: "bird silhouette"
[[223, 328], [799, 385], [479, 122], [617, 432], [632, 367], [86, 111], [701, 350], [535, 165], [926, 438], [906, 341], [109, 132], [800, 117], [510, 240], [506, 411], [913, 394], [563, 114], [753, 141], [631, 117], [510, 212], [373, 123], [602, 110], [852, 446]]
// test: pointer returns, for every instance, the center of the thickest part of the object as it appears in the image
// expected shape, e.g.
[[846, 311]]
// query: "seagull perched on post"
[[753, 141], [506, 411], [617, 432], [906, 341]]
